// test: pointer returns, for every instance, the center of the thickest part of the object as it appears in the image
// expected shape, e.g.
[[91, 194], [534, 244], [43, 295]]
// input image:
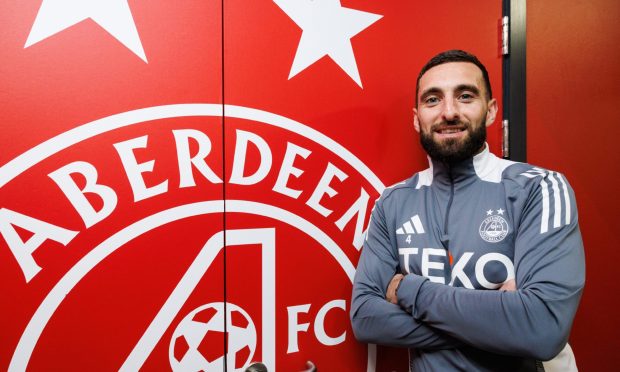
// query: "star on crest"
[[327, 31], [500, 211], [489, 212], [114, 16]]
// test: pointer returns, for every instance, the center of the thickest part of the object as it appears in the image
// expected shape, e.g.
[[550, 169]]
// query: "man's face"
[[453, 111]]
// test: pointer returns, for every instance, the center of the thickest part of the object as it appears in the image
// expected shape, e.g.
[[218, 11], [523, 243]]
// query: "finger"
[[509, 285]]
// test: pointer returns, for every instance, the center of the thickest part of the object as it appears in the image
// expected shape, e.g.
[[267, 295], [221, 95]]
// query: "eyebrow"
[[474, 89], [426, 92], [459, 88]]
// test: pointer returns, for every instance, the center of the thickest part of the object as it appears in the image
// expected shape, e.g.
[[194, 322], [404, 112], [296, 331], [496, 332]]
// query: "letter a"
[[41, 232], [63, 179]]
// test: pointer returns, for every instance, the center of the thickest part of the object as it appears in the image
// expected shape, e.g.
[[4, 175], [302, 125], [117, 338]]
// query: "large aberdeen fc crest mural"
[[185, 185]]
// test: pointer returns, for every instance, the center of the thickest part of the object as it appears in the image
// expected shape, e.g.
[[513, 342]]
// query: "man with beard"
[[475, 263]]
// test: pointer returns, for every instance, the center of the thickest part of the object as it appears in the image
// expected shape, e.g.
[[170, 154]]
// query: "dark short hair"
[[454, 55]]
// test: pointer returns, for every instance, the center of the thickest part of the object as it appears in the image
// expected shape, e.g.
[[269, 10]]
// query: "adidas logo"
[[413, 226]]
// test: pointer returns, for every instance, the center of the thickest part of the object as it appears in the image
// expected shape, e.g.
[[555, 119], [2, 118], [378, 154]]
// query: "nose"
[[450, 111]]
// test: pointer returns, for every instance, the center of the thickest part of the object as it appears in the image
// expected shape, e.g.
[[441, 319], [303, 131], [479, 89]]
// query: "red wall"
[[204, 79], [573, 101]]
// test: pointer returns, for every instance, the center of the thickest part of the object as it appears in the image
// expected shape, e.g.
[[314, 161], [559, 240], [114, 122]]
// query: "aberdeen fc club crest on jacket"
[[494, 228]]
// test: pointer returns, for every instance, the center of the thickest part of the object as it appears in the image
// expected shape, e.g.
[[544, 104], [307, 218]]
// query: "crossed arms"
[[532, 321]]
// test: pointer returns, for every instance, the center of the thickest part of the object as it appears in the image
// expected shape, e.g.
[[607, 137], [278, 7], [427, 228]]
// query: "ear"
[[416, 121], [491, 112]]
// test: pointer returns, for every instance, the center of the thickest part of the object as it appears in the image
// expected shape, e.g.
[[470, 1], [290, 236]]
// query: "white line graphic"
[[193, 275], [557, 201], [566, 197], [33, 156], [55, 297], [557, 198], [544, 223], [83, 132]]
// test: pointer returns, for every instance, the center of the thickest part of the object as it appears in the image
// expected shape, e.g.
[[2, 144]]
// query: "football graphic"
[[196, 341]]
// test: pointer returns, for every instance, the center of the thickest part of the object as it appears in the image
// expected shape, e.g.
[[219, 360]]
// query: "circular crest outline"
[[489, 231]]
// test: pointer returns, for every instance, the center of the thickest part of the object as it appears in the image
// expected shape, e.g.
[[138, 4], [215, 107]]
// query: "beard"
[[451, 151]]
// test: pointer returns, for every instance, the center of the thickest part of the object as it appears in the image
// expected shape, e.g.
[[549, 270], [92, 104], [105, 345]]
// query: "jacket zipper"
[[445, 226]]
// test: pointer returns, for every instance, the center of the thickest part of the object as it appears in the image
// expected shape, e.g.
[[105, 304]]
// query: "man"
[[475, 263]]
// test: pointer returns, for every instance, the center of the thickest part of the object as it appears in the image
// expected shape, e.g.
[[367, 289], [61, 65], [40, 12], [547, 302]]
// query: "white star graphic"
[[327, 31], [114, 16], [500, 211], [489, 212]]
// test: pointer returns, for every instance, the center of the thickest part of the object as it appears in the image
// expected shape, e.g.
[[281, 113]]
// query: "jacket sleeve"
[[535, 320], [374, 319]]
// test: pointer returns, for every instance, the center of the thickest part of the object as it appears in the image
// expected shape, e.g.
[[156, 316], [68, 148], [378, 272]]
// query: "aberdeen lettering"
[[193, 150]]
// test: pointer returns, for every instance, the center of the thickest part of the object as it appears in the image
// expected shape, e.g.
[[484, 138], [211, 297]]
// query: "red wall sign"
[[185, 185]]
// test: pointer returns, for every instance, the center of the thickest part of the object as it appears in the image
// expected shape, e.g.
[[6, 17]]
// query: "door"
[[561, 137], [111, 196], [318, 121], [185, 185]]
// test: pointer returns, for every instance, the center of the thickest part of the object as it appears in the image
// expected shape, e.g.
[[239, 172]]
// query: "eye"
[[431, 100], [466, 97]]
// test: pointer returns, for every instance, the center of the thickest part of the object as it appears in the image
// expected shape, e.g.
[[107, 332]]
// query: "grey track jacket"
[[459, 233]]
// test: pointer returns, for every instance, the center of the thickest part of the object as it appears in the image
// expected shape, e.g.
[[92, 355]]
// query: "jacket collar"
[[464, 172]]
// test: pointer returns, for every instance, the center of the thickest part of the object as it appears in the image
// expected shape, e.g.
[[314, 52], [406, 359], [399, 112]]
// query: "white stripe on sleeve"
[[544, 223], [557, 201], [566, 197]]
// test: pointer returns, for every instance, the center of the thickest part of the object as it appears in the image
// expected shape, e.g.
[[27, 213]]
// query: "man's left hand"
[[509, 285], [390, 295]]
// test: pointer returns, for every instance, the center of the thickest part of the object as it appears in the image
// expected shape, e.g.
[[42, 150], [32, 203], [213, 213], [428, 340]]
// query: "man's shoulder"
[[403, 187], [528, 176], [545, 194], [493, 169]]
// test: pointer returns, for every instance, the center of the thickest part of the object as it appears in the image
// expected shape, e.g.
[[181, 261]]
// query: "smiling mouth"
[[450, 130]]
